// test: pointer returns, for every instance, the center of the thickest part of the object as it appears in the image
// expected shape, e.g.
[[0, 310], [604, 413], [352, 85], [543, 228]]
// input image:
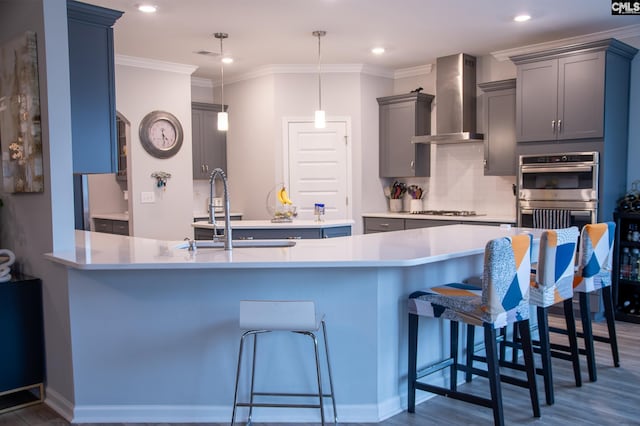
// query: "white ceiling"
[[413, 32]]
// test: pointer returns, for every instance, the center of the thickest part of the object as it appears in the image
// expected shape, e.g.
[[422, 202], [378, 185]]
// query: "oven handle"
[[533, 169], [576, 213]]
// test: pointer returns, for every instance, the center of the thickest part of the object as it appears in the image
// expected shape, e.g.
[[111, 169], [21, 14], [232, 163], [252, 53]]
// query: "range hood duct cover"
[[455, 101]]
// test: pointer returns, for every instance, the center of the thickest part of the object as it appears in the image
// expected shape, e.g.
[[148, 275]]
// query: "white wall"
[[106, 195], [33, 224], [140, 90], [633, 170]]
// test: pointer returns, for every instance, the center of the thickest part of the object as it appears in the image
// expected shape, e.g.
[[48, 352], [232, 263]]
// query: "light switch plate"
[[147, 197]]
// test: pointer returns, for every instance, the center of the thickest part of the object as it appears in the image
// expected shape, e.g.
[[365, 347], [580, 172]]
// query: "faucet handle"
[[192, 243]]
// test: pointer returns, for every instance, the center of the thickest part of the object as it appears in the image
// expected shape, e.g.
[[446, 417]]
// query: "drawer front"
[[380, 224], [428, 223], [339, 231], [120, 227], [276, 234], [103, 225]]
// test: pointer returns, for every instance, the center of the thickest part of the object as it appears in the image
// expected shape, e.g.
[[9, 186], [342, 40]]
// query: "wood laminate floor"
[[613, 400]]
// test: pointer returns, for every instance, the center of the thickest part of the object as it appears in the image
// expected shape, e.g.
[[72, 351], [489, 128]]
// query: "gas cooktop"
[[448, 212]]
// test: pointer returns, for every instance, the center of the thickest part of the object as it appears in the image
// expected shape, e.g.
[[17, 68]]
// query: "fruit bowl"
[[279, 206]]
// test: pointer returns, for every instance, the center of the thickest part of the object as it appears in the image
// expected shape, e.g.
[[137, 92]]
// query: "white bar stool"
[[299, 316]]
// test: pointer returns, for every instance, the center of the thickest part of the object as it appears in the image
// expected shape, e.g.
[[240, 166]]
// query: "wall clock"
[[161, 134]]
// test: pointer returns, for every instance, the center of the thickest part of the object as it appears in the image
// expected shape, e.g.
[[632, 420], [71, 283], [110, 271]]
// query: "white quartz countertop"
[[111, 216], [267, 224], [479, 218], [100, 251]]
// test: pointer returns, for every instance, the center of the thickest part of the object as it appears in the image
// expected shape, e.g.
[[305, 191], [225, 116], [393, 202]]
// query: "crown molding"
[[268, 70], [153, 64], [621, 33], [413, 71]]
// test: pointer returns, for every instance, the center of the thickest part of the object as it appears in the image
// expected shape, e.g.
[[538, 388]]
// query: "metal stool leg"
[[235, 395], [317, 355], [326, 348], [453, 348], [253, 375]]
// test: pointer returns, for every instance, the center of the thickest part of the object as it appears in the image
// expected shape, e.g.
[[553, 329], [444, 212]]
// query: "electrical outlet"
[[147, 197]]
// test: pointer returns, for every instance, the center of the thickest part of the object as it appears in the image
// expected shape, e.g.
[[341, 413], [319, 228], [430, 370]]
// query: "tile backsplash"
[[458, 182]]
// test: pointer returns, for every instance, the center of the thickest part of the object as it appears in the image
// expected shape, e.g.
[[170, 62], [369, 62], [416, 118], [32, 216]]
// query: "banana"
[[283, 197], [279, 195]]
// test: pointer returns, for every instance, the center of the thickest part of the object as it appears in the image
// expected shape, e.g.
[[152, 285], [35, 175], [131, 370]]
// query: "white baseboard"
[[59, 404]]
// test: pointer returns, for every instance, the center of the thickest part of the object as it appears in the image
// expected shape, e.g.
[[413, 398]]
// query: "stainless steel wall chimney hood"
[[455, 101]]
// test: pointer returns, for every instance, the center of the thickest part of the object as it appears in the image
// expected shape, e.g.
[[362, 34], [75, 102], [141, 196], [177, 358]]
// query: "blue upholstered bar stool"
[[552, 284], [593, 274], [503, 299], [299, 316]]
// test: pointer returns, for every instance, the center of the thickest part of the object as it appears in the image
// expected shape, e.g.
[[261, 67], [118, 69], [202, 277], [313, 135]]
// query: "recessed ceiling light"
[[522, 18], [227, 60], [377, 50], [147, 8]]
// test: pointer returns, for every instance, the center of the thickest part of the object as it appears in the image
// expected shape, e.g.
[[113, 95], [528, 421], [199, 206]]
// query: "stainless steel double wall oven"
[[558, 184]]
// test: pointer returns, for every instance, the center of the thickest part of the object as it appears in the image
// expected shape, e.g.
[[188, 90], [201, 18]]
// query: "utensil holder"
[[415, 206], [395, 205]]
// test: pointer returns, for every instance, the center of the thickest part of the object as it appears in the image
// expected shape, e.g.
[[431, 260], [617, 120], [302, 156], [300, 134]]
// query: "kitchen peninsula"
[[155, 335]]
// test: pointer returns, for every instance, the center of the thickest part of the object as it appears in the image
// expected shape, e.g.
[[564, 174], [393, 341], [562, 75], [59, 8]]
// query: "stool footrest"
[[274, 405], [326, 395], [434, 367], [454, 394], [504, 378]]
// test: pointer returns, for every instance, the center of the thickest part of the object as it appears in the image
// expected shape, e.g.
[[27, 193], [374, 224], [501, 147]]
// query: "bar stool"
[[299, 316], [593, 274], [503, 299], [551, 284]]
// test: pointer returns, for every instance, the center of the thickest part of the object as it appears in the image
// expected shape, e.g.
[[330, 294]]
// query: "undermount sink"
[[203, 244]]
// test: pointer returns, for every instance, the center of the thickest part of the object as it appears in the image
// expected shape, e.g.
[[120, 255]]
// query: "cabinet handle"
[[559, 126], [206, 167], [485, 163], [384, 225], [412, 164], [553, 126], [202, 168]]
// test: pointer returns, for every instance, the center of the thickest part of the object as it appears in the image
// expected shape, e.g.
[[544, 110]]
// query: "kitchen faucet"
[[218, 172]]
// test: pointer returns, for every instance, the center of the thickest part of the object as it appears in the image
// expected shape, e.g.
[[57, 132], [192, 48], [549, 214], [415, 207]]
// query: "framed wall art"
[[20, 130]]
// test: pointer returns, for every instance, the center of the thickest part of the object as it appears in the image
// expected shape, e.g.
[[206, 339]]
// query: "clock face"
[[161, 134]]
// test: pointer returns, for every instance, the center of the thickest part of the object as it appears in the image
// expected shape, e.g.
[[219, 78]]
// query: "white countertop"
[[267, 224], [111, 216], [479, 218], [100, 251]]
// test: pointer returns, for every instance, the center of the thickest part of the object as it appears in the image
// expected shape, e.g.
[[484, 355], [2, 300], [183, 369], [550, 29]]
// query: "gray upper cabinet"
[[92, 87], [560, 94], [499, 117], [209, 144], [401, 118]]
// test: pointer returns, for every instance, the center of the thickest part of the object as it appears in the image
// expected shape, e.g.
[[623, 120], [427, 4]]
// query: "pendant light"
[[223, 117], [319, 121]]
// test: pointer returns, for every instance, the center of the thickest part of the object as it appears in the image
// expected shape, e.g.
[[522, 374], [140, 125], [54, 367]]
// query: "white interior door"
[[319, 168]]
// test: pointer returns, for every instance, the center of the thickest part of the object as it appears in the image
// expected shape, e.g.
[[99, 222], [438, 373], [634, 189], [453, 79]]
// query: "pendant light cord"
[[222, 73], [319, 73]]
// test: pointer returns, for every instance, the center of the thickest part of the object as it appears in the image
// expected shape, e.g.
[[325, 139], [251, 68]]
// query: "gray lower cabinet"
[[209, 144], [499, 118], [109, 226], [379, 224], [278, 233], [402, 117], [561, 92]]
